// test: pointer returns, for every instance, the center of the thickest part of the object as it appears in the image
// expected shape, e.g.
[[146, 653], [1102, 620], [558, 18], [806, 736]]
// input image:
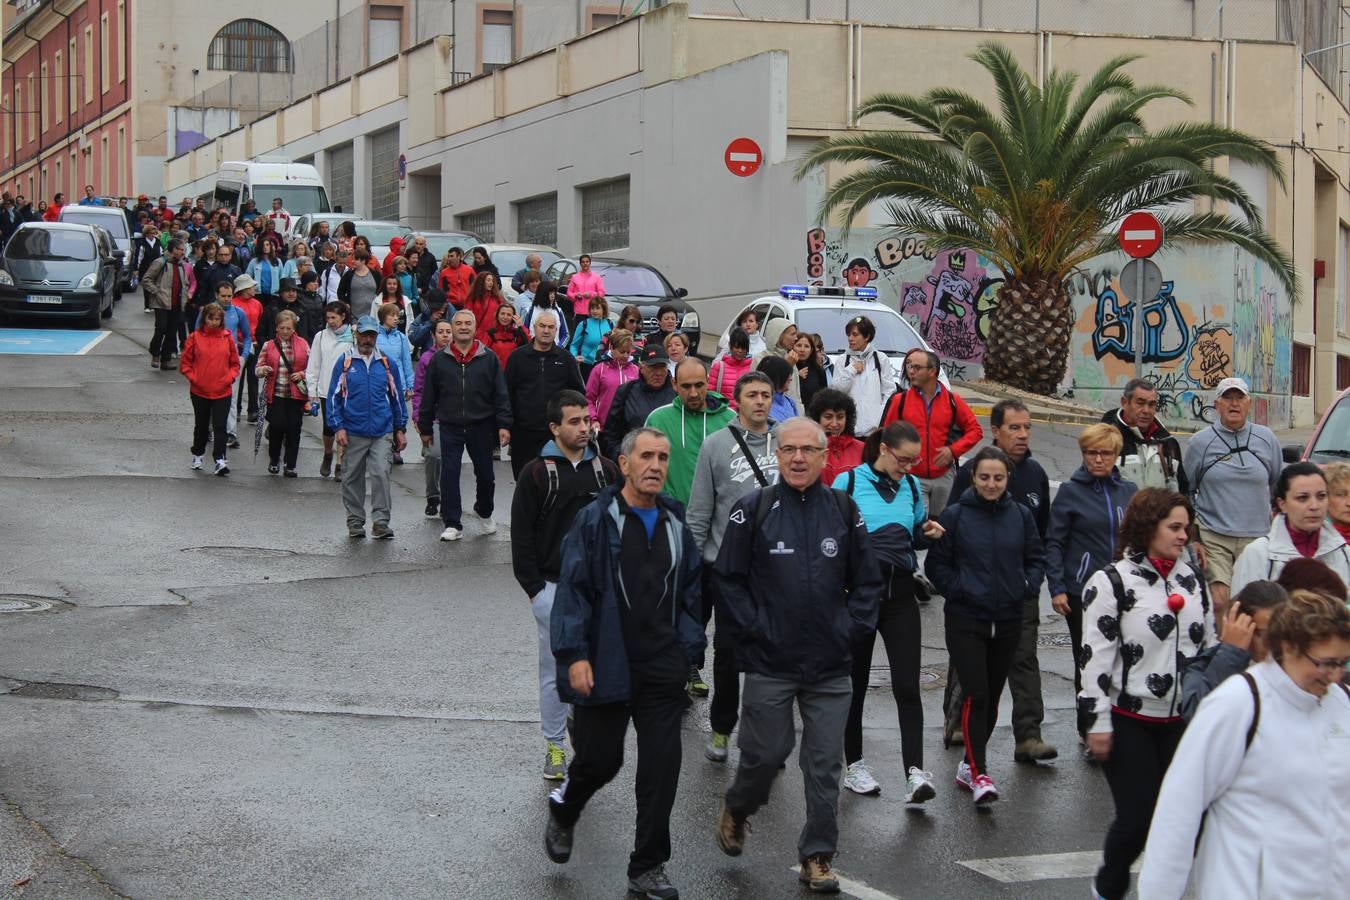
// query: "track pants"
[[724, 706], [982, 653], [898, 626], [1024, 682]]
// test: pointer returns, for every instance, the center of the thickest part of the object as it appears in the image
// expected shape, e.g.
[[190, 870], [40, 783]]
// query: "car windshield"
[[1333, 441], [894, 334], [295, 199], [379, 234], [509, 262], [39, 243], [116, 225], [633, 281], [440, 244]]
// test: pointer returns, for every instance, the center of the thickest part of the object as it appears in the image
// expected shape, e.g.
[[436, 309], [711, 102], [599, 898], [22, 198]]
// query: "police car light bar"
[[865, 293], [793, 291]]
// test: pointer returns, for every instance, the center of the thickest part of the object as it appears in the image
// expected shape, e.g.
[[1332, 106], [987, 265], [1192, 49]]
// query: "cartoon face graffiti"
[[858, 272]]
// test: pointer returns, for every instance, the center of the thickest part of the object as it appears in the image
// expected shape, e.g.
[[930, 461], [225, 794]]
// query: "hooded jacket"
[[532, 376], [537, 533], [326, 347], [1084, 521], [504, 340], [1149, 461], [633, 403], [604, 381], [800, 587], [1028, 485], [687, 432], [464, 393], [455, 283], [870, 388], [236, 323], [396, 245], [722, 476], [584, 283], [586, 622], [364, 403], [158, 284], [945, 422], [210, 363], [588, 337], [990, 563], [893, 512], [842, 452], [1265, 557], [393, 343]]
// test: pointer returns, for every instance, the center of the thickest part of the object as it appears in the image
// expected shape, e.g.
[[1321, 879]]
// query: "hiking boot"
[[337, 471], [717, 747], [697, 686], [818, 875], [1033, 750], [858, 779], [382, 532], [356, 531], [653, 884], [555, 763], [326, 467], [557, 838], [731, 831]]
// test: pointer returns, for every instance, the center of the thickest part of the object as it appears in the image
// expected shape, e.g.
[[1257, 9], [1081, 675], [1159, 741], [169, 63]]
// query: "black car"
[[59, 270], [632, 283]]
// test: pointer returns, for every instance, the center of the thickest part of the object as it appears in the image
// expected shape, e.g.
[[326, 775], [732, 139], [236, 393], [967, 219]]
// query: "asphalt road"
[[225, 697]]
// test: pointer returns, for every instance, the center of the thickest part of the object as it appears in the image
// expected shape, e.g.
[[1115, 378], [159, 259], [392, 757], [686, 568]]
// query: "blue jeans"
[[478, 439]]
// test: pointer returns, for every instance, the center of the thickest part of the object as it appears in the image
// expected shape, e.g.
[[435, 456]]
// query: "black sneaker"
[[653, 884], [557, 839], [382, 533], [433, 510], [232, 441], [290, 473], [326, 467], [273, 469]]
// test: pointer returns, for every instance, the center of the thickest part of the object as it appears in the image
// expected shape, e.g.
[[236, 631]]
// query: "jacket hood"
[[1160, 432], [773, 331], [552, 449], [1282, 546], [396, 244], [714, 405]]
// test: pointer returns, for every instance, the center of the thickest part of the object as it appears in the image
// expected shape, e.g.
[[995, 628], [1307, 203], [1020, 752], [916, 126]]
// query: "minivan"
[[113, 220], [297, 184], [59, 270]]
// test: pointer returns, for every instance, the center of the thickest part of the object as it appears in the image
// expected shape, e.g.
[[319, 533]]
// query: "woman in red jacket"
[[281, 366], [483, 299], [210, 362], [506, 333], [836, 413]]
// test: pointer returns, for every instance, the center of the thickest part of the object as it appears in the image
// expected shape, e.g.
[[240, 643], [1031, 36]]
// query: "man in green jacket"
[[695, 413]]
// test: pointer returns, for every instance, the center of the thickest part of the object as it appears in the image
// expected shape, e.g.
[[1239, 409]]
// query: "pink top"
[[602, 385], [725, 372], [584, 283]]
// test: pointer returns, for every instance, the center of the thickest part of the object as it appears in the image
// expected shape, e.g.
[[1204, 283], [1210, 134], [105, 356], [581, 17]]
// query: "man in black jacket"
[[465, 393], [534, 373], [1150, 456], [635, 400], [800, 586], [9, 218], [550, 490], [1010, 421]]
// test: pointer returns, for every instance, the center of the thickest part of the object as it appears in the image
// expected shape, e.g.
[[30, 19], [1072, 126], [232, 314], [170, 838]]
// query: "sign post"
[[1140, 236]]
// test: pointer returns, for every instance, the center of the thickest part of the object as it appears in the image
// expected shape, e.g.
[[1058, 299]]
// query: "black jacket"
[[540, 521], [9, 223], [308, 309], [990, 561], [799, 588], [462, 394], [218, 274], [532, 377], [1029, 486], [633, 403]]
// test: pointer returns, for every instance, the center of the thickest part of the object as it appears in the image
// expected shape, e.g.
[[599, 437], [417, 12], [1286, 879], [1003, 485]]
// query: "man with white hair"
[[533, 261], [534, 373]]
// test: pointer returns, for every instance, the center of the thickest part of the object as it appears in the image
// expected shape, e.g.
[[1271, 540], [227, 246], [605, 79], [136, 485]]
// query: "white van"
[[298, 185]]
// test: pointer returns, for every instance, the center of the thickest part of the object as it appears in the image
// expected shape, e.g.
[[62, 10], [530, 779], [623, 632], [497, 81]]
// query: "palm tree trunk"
[[1029, 338]]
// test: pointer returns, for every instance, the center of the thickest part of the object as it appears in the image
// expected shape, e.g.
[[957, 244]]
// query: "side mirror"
[[681, 292], [1291, 453]]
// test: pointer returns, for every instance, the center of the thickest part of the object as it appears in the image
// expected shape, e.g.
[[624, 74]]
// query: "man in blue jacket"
[[800, 587], [625, 626], [365, 405]]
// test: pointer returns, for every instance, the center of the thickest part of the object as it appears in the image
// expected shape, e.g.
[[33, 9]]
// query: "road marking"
[[1042, 867], [854, 888], [48, 341], [94, 343]]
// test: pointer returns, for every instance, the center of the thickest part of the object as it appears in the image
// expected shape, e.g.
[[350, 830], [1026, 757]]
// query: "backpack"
[[909, 480], [954, 430], [550, 468]]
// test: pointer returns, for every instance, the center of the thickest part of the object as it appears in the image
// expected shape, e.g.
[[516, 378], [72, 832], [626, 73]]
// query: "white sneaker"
[[920, 786], [451, 534], [963, 775], [859, 780], [197, 462], [489, 526], [222, 468], [984, 790]]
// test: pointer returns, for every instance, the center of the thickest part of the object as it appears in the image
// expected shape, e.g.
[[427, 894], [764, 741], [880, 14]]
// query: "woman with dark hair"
[[346, 238], [266, 268], [1300, 530], [780, 373], [1244, 629], [329, 345], [1310, 575], [892, 508], [361, 242], [1260, 768], [826, 364], [810, 373], [835, 412], [630, 319], [728, 368], [1144, 616], [485, 295], [201, 270], [989, 565], [482, 262], [546, 297], [391, 292]]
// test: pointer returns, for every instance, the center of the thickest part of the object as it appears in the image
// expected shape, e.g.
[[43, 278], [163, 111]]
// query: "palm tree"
[[1038, 188]]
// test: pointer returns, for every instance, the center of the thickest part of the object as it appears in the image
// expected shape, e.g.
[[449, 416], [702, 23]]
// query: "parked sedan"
[[629, 282], [1330, 441], [59, 270]]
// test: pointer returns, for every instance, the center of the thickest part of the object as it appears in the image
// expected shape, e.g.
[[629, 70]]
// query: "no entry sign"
[[743, 157], [1140, 235]]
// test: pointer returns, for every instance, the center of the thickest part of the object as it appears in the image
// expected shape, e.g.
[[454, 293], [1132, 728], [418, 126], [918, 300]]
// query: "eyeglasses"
[[808, 451], [917, 367], [1326, 665], [902, 460], [1099, 454]]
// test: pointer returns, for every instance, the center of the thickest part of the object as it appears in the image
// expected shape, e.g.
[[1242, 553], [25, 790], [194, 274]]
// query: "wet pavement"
[[207, 690]]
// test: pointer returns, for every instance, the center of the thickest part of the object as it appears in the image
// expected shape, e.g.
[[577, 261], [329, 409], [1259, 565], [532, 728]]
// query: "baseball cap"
[[1232, 384], [142, 197], [367, 325], [652, 354]]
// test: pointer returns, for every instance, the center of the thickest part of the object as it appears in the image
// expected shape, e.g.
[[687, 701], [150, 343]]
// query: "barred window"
[[537, 220], [604, 216], [384, 175], [482, 222], [247, 45]]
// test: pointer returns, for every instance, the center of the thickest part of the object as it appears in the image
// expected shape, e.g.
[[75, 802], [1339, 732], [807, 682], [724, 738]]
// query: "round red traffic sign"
[[743, 157], [1140, 235]]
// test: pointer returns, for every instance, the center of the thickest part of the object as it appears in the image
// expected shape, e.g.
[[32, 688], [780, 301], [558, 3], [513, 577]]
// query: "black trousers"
[[898, 625], [1075, 622], [982, 653], [164, 342], [1141, 751], [209, 414], [598, 735], [724, 708], [1024, 682], [251, 380], [285, 418], [525, 446]]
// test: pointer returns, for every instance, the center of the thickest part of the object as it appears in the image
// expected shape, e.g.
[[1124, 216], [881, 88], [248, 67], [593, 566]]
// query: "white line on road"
[[1042, 867], [92, 344], [854, 888]]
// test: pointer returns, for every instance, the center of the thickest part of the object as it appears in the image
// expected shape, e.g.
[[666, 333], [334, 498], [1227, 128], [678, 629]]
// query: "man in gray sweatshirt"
[[732, 462]]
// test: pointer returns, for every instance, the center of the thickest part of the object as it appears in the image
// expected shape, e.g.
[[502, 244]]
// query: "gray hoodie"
[[722, 476]]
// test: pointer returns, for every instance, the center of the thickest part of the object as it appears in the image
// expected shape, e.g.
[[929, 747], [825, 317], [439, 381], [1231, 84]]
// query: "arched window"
[[247, 45]]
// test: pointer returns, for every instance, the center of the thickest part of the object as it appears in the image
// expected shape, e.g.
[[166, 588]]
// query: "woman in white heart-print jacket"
[[1135, 635]]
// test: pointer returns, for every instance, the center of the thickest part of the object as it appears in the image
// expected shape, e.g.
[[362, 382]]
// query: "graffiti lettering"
[[1165, 332], [893, 251], [1211, 358], [815, 255]]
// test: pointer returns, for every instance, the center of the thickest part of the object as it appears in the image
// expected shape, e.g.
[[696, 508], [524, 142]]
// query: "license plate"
[[44, 298]]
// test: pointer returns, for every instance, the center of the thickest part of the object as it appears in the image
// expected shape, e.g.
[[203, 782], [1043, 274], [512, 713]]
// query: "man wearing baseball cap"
[[1233, 464], [364, 407], [635, 400]]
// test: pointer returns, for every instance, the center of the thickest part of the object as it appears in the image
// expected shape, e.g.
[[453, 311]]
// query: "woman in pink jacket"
[[730, 366], [584, 287], [281, 365], [609, 374]]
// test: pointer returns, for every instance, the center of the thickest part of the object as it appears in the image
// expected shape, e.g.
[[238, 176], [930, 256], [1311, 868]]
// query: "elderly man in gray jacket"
[[167, 292]]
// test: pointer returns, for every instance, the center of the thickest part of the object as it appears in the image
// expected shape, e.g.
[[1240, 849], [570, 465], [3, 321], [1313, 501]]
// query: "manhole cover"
[[1054, 640], [18, 603], [56, 691], [240, 552], [881, 677]]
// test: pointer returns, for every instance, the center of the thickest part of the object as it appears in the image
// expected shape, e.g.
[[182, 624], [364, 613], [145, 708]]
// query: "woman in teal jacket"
[[590, 334]]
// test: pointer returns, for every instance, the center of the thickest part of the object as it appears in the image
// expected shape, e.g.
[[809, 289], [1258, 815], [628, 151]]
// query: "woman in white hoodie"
[[865, 374], [1265, 766], [1300, 530], [329, 346]]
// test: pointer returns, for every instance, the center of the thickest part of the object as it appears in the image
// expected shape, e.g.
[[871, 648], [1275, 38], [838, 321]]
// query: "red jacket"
[[395, 251], [456, 283], [484, 310], [950, 423], [253, 309], [210, 363], [299, 359], [504, 340], [841, 454], [53, 213]]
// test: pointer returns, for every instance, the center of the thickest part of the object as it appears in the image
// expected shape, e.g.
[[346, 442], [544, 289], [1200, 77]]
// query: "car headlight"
[[5, 279], [690, 321], [88, 281]]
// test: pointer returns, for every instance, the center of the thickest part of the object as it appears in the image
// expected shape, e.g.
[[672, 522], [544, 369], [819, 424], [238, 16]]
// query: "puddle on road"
[[56, 691]]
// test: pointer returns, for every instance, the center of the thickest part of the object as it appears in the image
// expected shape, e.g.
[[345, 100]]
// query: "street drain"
[[244, 553], [1054, 640], [19, 603], [46, 690], [880, 677]]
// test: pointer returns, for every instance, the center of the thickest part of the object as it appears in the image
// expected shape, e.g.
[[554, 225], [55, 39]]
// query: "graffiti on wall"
[[1165, 336]]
